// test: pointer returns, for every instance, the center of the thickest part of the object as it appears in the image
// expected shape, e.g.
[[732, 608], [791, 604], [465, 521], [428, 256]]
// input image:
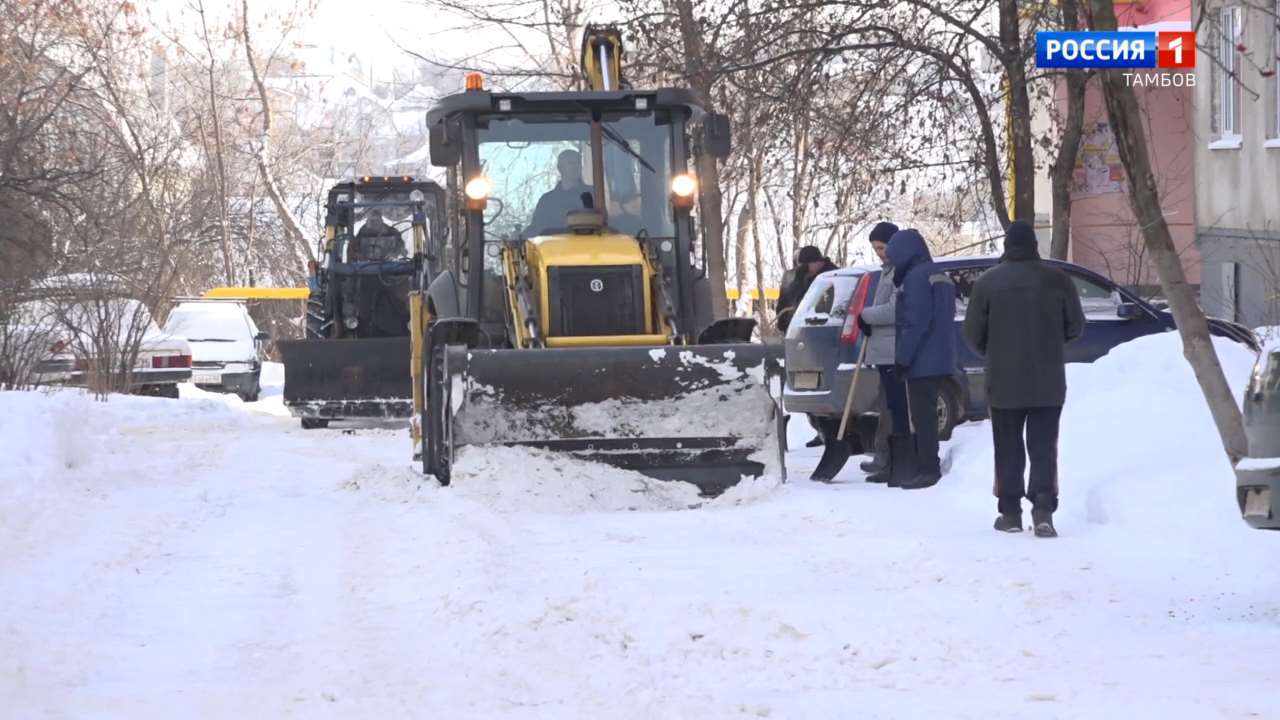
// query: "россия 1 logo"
[[1129, 49]]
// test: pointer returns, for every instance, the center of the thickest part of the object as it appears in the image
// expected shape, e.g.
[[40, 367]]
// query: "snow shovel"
[[835, 452]]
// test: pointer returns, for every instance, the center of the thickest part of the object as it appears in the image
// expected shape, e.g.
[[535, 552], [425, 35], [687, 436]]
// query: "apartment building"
[[1237, 160]]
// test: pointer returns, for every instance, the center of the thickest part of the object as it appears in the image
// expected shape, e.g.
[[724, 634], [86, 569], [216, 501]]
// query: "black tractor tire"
[[252, 394], [437, 425], [314, 423], [317, 325]]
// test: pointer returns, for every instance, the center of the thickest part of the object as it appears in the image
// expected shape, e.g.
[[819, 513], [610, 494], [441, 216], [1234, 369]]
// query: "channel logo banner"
[[1096, 49]]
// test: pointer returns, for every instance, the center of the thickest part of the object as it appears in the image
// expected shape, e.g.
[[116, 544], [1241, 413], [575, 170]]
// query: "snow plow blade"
[[704, 414], [365, 378]]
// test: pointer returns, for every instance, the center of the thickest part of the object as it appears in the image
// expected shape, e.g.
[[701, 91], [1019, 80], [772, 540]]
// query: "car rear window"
[[828, 295]]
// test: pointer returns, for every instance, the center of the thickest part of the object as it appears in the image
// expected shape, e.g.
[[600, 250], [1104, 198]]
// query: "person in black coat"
[[810, 263], [1021, 315]]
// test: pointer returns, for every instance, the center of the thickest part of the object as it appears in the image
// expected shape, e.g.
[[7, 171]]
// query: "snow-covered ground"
[[208, 558]]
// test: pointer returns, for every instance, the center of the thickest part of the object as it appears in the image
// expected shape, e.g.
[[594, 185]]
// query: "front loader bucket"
[[703, 414], [341, 379]]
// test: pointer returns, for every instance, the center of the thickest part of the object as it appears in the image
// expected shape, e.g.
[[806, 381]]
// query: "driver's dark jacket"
[[549, 214]]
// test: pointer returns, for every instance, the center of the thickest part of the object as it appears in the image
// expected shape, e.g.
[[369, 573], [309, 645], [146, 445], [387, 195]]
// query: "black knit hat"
[[809, 254], [1021, 236], [883, 231]]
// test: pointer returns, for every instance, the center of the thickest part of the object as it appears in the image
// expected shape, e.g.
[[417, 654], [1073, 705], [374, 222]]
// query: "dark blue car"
[[822, 347]]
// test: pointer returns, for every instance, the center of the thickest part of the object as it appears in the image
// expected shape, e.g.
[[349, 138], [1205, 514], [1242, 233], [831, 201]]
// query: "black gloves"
[[864, 326]]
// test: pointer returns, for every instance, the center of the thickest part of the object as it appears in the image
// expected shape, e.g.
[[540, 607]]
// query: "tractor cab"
[[599, 180]]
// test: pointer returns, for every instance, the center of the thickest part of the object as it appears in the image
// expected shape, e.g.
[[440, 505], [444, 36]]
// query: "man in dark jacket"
[[810, 263], [925, 348], [1021, 315]]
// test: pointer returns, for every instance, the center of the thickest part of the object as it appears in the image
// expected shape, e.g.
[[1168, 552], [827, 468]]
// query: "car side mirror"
[[717, 136], [1128, 311], [262, 337]]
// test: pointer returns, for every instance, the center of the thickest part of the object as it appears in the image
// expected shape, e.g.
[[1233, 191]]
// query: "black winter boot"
[[1043, 523], [815, 442], [902, 459], [1009, 522], [922, 480], [877, 463]]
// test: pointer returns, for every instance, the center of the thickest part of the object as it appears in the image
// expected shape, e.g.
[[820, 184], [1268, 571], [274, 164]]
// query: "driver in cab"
[[564, 198]]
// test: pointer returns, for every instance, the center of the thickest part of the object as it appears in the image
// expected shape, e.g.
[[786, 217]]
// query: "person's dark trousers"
[[891, 403], [1041, 426], [922, 400]]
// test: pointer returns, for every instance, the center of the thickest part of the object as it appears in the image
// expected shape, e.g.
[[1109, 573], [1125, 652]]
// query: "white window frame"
[[1226, 69]]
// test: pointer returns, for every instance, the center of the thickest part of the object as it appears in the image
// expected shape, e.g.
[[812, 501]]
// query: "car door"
[[1106, 324]]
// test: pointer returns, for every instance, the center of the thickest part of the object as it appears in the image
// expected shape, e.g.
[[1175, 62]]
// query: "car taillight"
[[849, 331], [171, 361]]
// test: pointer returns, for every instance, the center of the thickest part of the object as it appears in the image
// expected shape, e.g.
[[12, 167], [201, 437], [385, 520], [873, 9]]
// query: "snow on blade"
[[728, 371]]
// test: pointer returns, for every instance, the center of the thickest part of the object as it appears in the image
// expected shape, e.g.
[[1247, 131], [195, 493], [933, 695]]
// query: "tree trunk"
[[1144, 198], [223, 219], [1019, 117], [740, 249], [292, 228], [712, 213], [753, 182], [1065, 163]]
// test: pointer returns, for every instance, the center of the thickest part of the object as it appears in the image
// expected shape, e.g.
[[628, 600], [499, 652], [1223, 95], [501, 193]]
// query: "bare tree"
[[262, 152], [1144, 197]]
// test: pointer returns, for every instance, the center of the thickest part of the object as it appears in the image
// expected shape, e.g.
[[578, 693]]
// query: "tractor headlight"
[[351, 321], [477, 192], [683, 188]]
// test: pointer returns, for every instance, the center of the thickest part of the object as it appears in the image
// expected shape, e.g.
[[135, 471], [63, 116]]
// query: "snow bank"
[[54, 428], [1138, 446], [511, 479], [270, 398]]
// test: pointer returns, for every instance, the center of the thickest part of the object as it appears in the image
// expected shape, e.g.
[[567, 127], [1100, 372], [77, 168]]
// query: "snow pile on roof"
[[1138, 447], [1269, 336]]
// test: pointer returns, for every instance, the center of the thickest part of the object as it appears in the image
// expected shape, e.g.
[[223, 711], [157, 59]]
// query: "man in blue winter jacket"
[[924, 351]]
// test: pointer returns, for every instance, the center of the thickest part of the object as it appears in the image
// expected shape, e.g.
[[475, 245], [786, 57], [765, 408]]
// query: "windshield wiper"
[[618, 140], [210, 340]]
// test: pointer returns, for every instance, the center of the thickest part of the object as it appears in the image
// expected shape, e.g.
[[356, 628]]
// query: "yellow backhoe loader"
[[577, 315]]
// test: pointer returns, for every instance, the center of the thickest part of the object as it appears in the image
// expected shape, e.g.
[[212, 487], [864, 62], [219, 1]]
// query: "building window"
[[1226, 77]]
